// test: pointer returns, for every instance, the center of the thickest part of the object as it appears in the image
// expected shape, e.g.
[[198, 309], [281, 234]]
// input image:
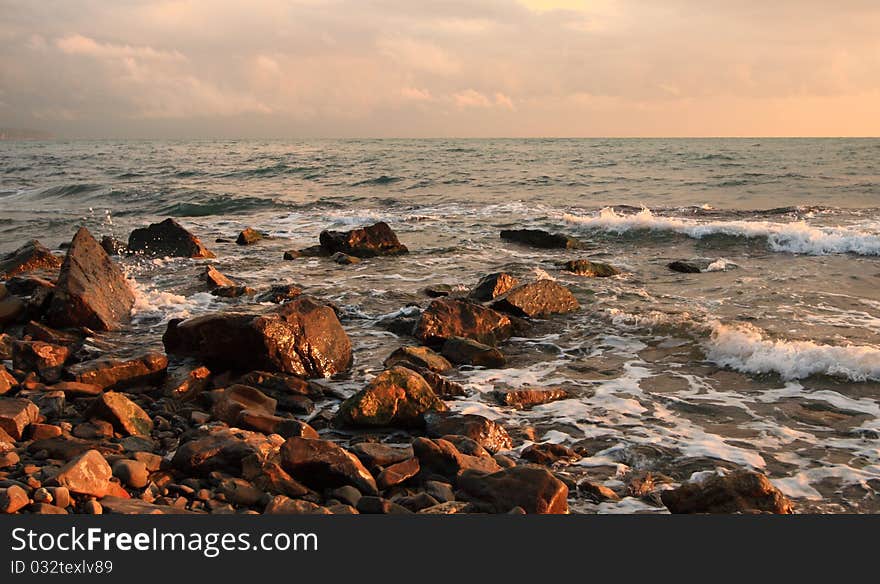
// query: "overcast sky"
[[351, 68]]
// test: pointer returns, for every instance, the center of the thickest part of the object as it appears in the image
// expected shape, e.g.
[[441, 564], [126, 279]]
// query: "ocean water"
[[770, 359]]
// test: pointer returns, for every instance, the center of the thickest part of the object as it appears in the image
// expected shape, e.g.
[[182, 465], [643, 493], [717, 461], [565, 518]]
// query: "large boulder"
[[537, 299], [492, 286], [110, 373], [446, 318], [91, 291], [29, 257], [741, 491], [322, 464], [167, 238], [366, 242], [87, 474], [396, 397], [533, 488], [541, 239], [303, 337]]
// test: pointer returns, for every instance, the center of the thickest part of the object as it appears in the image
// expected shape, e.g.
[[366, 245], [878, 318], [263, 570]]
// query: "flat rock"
[[396, 397], [446, 318], [376, 454], [527, 397], [418, 357], [398, 473], [87, 474], [16, 414], [489, 434], [29, 257], [322, 464], [537, 299], [492, 286], [168, 238], [533, 488], [76, 389], [280, 293], [741, 491], [112, 374], [126, 416], [370, 241]]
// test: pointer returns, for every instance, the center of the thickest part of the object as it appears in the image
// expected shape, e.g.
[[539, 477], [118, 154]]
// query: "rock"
[[47, 360], [440, 490], [541, 239], [29, 257], [418, 357], [187, 382], [241, 492], [441, 457], [313, 251], [12, 499], [380, 506], [292, 254], [279, 293], [131, 473], [248, 237], [6, 346], [269, 477], [121, 506], [402, 323], [322, 464], [416, 503], [446, 318], [43, 431], [92, 507], [281, 505], [126, 416], [38, 331], [438, 290], [7, 459], [344, 259], [490, 435], [684, 267], [533, 488], [268, 424], [590, 269], [397, 473], [549, 453], [215, 279], [87, 474], [222, 450], [740, 491], [167, 238], [279, 383], [396, 397], [597, 492], [492, 286], [16, 414], [7, 381], [442, 387], [463, 351], [113, 246], [523, 398], [375, 454], [91, 291], [366, 242], [75, 389], [447, 508], [347, 494], [113, 374], [302, 337], [537, 299], [237, 398], [233, 291], [12, 308], [61, 496]]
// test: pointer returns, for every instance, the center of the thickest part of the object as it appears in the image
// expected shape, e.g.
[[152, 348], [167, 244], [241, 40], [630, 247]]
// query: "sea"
[[768, 359]]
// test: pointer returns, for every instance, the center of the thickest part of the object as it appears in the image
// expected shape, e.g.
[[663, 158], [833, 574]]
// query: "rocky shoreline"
[[216, 423]]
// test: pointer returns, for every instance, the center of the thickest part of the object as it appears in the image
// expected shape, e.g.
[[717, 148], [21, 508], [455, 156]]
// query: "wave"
[[217, 206], [379, 180], [794, 237]]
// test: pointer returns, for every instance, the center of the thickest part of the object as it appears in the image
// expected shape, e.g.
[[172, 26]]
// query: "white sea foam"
[[794, 237], [720, 265]]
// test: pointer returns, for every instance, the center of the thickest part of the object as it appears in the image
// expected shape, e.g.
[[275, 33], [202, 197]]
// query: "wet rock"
[[527, 397], [186, 382], [438, 290], [112, 374], [279, 293], [292, 254], [344, 259], [7, 381], [237, 398], [16, 414], [740, 491], [541, 239], [446, 318], [233, 291], [126, 416], [684, 267], [92, 290], [441, 457], [322, 464], [379, 506], [222, 450], [12, 309], [396, 397], [12, 499], [597, 492], [302, 337], [87, 474], [537, 299], [75, 389], [113, 246], [248, 237], [548, 454], [47, 360], [29, 257], [261, 421], [281, 505], [375, 454], [38, 331], [215, 279], [418, 357], [490, 435], [492, 286], [279, 383], [131, 473], [533, 488], [313, 251], [590, 269], [402, 323], [443, 388], [373, 240], [440, 491], [463, 351], [398, 473], [167, 238]]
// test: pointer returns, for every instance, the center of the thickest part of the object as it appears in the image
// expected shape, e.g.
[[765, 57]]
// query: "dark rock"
[[549, 453], [215, 279], [92, 290], [45, 359], [441, 457], [590, 269], [38, 331], [597, 492], [221, 450], [279, 383], [375, 454], [397, 473], [741, 491], [12, 308], [131, 473], [395, 397], [418, 357], [533, 488], [233, 291], [467, 445], [370, 241], [121, 506], [463, 351], [403, 323], [313, 251], [446, 318], [684, 267], [87, 474], [523, 398], [261, 421], [347, 494], [292, 254], [447, 508], [444, 388], [493, 285], [541, 239], [322, 464], [236, 398], [241, 492], [113, 246], [167, 238], [490, 435], [12, 499], [344, 259], [416, 503], [74, 389], [271, 478], [281, 505], [378, 506], [186, 382], [438, 290], [441, 491], [16, 414], [126, 416], [279, 293], [537, 299], [249, 237], [109, 373], [29, 257]]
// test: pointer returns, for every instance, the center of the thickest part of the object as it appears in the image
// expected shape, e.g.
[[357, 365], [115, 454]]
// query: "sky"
[[454, 68]]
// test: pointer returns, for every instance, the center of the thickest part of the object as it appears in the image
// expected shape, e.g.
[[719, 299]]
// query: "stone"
[[120, 506], [248, 236], [61, 496], [527, 397], [43, 431], [186, 382], [237, 398], [549, 453], [398, 473], [279, 383], [347, 494], [168, 238], [322, 464], [38, 331], [444, 388], [87, 474], [222, 450], [313, 251], [740, 491], [376, 454], [76, 389], [441, 457], [131, 473], [541, 239], [492, 286], [589, 269], [597, 492], [396, 397], [29, 257], [6, 346], [537, 299], [490, 435], [684, 267], [126, 416], [260, 421], [463, 351], [303, 337], [418, 357], [92, 290], [533, 488], [214, 279], [7, 381], [12, 499], [370, 241], [378, 506], [272, 478], [438, 290], [416, 503], [92, 507], [344, 259], [113, 246], [446, 318], [7, 459], [47, 360], [281, 505], [447, 508], [12, 308], [152, 462], [46, 509], [292, 254], [241, 492], [233, 291], [280, 293], [16, 414]]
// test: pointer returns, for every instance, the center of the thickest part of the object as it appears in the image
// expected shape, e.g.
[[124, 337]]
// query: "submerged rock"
[[537, 299], [533, 488], [345, 259], [113, 246], [280, 293], [167, 238], [370, 241], [395, 397], [30, 257], [590, 269], [492, 286], [684, 267], [446, 318], [741, 491], [541, 239]]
